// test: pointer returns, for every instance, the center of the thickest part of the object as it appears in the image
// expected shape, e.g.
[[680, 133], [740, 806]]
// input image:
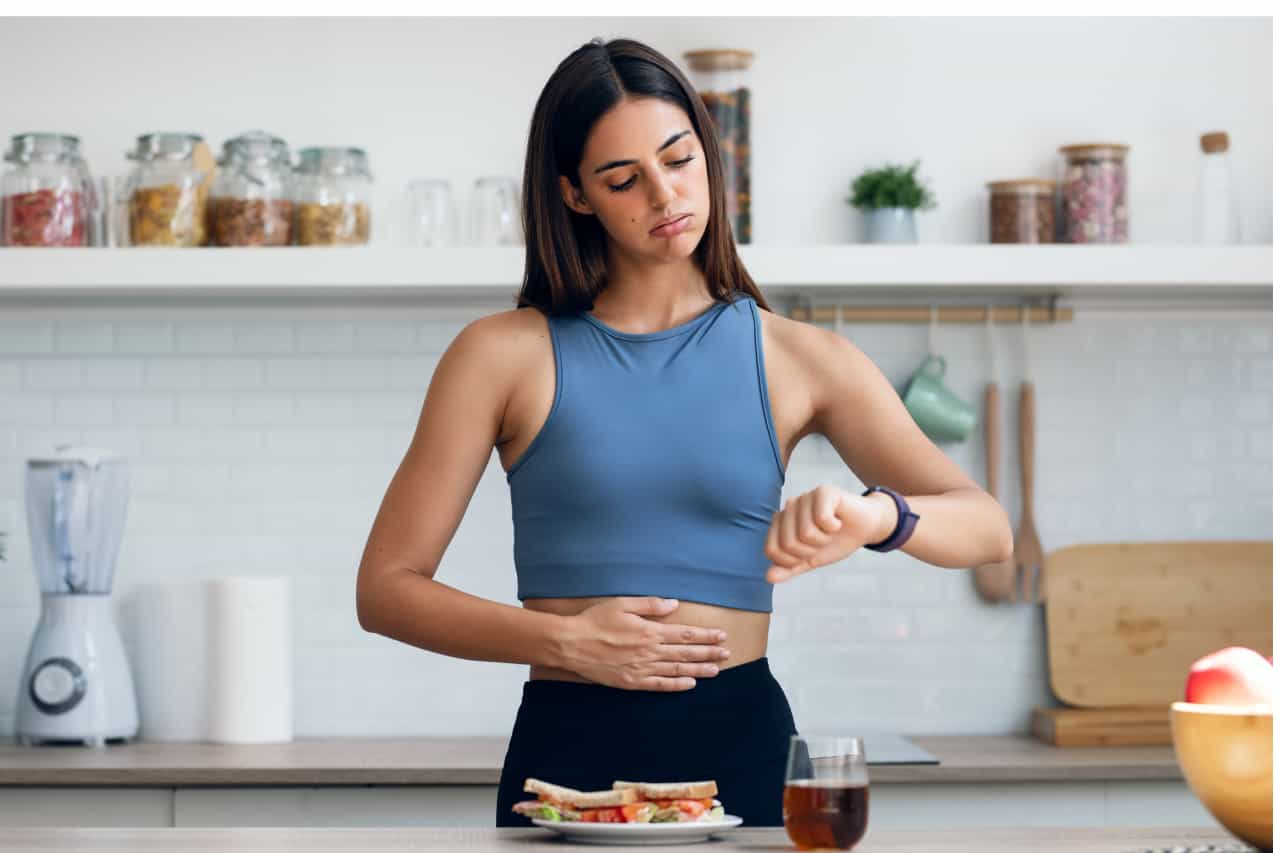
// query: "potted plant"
[[889, 197]]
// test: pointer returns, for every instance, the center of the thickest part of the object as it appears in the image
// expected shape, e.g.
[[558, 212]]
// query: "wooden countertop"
[[478, 761], [414, 840]]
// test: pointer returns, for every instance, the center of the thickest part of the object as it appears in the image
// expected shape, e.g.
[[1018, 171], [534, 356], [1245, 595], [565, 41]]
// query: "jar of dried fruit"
[[47, 195], [721, 78], [252, 195], [1095, 193], [331, 194], [1022, 211], [168, 191]]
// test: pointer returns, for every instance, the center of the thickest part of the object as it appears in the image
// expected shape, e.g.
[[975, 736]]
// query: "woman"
[[644, 402]]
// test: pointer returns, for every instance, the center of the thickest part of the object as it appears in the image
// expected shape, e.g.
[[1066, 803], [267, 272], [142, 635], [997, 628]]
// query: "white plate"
[[639, 833]]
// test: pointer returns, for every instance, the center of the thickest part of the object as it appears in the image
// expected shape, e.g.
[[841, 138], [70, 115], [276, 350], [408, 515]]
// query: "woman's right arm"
[[396, 592]]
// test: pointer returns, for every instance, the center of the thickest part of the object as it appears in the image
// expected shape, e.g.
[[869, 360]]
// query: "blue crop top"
[[657, 471]]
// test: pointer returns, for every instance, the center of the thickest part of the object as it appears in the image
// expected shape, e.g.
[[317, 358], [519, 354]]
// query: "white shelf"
[[1241, 274]]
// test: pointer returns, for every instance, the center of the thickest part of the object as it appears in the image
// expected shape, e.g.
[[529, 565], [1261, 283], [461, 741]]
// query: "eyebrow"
[[613, 164]]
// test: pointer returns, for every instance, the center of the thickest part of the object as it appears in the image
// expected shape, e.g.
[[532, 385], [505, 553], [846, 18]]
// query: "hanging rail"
[[1011, 314]]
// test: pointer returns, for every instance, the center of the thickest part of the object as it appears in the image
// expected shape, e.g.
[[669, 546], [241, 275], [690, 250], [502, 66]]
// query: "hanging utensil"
[[1027, 552], [994, 581]]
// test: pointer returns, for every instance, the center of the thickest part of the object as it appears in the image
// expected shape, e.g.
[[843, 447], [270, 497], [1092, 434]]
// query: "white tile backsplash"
[[263, 441]]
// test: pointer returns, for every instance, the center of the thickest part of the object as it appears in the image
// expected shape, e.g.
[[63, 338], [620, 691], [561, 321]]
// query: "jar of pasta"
[[1095, 186], [331, 194], [721, 78], [1022, 211], [47, 194], [168, 190], [252, 195]]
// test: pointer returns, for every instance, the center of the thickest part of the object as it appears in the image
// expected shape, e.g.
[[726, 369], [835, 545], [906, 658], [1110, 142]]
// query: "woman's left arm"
[[860, 413]]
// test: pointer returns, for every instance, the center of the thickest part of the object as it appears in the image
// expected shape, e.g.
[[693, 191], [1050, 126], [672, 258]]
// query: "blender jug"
[[76, 684]]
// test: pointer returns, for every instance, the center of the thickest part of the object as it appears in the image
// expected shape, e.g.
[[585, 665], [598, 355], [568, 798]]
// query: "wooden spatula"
[[995, 581], [1027, 552]]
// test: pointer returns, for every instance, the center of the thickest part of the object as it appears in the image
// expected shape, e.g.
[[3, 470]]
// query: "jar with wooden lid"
[[1022, 210], [47, 194], [253, 193], [332, 187], [721, 78], [1095, 185], [168, 190]]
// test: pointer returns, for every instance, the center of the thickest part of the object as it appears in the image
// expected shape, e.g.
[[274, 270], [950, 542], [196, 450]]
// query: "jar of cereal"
[[253, 193], [332, 187], [721, 78], [1022, 211], [168, 190], [1095, 193], [47, 195]]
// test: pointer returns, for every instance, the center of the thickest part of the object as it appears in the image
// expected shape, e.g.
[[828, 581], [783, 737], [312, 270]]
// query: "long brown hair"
[[564, 266]]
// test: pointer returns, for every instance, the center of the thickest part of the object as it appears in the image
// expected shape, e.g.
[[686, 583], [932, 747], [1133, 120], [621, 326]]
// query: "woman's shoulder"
[[502, 338], [800, 339], [819, 359]]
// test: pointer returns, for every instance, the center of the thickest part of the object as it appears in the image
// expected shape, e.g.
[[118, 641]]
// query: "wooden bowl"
[[1225, 755]]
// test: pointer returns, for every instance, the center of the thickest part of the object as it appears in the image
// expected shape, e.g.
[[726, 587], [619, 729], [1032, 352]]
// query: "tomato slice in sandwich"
[[631, 811]]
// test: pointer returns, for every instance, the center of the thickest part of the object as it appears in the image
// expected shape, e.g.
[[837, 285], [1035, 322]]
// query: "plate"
[[639, 833]]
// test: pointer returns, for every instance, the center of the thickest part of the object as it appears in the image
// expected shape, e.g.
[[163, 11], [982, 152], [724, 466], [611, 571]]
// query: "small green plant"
[[891, 186]]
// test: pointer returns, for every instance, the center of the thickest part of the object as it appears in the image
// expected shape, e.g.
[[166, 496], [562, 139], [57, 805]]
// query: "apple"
[[1232, 676]]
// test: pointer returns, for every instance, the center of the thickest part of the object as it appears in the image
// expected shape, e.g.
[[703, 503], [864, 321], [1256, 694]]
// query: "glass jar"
[[1216, 217], [168, 191], [1022, 210], [1095, 193], [721, 78], [48, 194], [252, 196], [332, 187]]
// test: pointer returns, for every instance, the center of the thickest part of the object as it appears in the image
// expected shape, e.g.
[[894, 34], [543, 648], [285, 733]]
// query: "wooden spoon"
[[1027, 552], [995, 581]]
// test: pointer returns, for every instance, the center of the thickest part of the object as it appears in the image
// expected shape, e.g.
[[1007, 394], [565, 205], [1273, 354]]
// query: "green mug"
[[942, 415]]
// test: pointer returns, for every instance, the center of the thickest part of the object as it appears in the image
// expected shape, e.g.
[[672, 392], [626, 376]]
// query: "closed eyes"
[[625, 186]]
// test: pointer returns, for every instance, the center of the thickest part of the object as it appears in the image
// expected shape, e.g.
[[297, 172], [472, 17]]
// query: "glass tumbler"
[[495, 212], [825, 801], [429, 218]]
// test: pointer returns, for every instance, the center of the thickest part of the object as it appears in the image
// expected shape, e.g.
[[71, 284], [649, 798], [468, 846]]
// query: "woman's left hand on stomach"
[[824, 526]]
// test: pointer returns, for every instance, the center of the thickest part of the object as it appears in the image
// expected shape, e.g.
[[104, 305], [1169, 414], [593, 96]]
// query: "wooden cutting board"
[[1124, 622], [1102, 726]]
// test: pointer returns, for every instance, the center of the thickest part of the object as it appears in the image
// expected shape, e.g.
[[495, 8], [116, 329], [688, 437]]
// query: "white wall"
[[263, 436], [976, 99]]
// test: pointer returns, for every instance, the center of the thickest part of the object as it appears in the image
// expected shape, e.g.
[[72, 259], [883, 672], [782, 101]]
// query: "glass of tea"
[[824, 803]]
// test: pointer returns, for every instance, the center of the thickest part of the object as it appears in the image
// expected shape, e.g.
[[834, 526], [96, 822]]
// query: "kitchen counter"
[[478, 761], [394, 840]]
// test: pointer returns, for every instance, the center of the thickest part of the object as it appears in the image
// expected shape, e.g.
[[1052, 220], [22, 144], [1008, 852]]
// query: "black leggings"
[[734, 728]]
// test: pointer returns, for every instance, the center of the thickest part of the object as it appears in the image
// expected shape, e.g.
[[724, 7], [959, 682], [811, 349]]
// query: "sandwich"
[[627, 802]]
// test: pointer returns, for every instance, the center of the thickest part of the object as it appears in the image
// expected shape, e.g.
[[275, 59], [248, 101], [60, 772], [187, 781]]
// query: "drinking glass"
[[429, 212], [825, 801], [495, 212]]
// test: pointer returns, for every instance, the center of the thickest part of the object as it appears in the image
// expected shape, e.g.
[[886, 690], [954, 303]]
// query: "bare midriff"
[[747, 630]]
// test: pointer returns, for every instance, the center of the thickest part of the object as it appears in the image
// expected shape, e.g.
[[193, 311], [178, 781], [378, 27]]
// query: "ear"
[[573, 197]]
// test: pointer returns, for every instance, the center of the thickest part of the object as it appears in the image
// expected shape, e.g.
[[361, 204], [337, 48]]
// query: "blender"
[[76, 685]]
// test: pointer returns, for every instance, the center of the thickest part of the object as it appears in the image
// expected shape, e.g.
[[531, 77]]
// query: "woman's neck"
[[651, 296]]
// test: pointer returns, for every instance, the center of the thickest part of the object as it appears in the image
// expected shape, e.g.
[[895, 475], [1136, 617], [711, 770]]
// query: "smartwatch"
[[906, 521]]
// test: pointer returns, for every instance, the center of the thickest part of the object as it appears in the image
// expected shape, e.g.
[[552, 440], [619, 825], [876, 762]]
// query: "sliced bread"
[[580, 799], [670, 790]]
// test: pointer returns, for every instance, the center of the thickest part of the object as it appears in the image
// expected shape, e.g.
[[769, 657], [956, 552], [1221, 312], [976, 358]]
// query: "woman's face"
[[643, 165]]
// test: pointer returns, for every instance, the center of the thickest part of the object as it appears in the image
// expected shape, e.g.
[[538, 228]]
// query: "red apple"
[[1232, 676]]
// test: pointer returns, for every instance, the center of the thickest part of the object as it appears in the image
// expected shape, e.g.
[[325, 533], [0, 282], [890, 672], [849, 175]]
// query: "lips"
[[671, 225]]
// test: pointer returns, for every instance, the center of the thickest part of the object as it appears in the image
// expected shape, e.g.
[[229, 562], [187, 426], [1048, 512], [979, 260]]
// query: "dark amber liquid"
[[825, 814]]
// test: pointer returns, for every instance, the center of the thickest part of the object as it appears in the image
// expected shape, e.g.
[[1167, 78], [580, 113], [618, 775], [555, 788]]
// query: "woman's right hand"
[[612, 643]]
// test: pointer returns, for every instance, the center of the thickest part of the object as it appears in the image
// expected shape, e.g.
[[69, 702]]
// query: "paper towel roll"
[[250, 660], [169, 649]]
